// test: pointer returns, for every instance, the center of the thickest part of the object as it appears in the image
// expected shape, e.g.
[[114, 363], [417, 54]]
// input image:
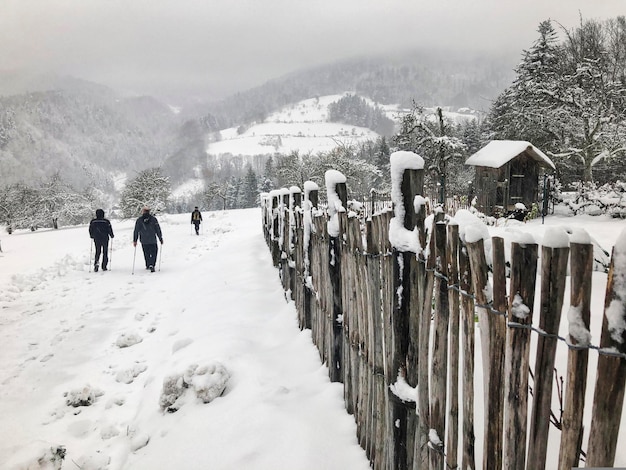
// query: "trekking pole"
[[134, 254], [90, 251], [160, 256]]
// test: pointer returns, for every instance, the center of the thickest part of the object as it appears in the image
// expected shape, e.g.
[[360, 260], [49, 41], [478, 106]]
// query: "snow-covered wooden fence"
[[392, 301]]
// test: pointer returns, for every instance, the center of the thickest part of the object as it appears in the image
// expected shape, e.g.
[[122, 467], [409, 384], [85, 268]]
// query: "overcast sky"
[[222, 46]]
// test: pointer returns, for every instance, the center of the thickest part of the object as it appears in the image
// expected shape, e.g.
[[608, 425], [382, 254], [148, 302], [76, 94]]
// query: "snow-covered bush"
[[85, 396], [591, 199]]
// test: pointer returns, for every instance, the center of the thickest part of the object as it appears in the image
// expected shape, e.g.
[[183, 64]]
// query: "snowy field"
[[111, 338], [215, 313]]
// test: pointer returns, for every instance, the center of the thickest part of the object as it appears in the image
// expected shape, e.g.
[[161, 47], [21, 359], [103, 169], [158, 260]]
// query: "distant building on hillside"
[[507, 173]]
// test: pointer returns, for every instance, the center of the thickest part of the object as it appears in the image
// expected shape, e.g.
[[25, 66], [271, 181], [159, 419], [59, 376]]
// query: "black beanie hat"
[[99, 213]]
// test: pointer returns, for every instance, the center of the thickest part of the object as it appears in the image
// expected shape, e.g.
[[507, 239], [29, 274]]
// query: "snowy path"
[[216, 299]]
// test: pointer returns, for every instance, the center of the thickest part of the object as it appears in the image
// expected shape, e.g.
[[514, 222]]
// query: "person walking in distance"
[[100, 230], [196, 218], [147, 230]]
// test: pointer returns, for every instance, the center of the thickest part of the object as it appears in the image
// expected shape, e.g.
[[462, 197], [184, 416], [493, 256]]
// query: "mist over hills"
[[91, 134]]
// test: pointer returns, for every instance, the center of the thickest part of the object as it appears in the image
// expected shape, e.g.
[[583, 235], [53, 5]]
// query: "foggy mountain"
[[90, 133]]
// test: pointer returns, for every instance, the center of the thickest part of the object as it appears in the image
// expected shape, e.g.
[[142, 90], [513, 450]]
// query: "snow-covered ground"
[[111, 339]]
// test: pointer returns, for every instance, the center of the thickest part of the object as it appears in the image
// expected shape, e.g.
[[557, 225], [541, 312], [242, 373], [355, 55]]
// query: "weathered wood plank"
[[553, 276], [581, 268], [521, 306], [452, 442], [439, 367], [608, 399], [468, 461]]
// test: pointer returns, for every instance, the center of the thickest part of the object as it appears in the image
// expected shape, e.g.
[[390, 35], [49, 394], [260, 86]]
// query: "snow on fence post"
[[581, 267], [452, 251], [468, 461], [407, 183], [337, 202], [517, 355], [554, 258], [608, 399]]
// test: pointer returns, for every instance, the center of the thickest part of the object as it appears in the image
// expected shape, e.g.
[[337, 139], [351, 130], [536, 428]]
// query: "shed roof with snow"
[[499, 152]]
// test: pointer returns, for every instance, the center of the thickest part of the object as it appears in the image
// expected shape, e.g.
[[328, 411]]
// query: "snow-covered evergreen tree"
[[568, 99]]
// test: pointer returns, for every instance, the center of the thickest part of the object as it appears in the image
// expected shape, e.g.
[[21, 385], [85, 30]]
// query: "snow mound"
[[126, 340], [85, 396], [207, 382]]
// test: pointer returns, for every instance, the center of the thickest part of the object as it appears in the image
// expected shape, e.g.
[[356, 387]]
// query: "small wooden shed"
[[507, 173]]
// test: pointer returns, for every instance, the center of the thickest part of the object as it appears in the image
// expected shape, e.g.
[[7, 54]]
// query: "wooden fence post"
[[480, 281], [439, 368], [426, 283], [521, 304], [452, 442], [467, 304], [404, 314], [608, 399], [310, 204], [275, 195], [494, 414], [581, 267], [553, 275], [336, 329]]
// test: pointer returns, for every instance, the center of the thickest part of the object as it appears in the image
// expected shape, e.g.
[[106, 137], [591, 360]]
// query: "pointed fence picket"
[[397, 329]]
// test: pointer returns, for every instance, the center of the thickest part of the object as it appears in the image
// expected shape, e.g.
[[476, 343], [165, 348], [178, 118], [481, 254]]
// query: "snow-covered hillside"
[[304, 127]]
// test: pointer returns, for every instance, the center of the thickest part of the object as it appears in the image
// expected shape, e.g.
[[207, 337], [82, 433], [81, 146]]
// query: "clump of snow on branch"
[[401, 238], [207, 382], [335, 206], [518, 308], [616, 311]]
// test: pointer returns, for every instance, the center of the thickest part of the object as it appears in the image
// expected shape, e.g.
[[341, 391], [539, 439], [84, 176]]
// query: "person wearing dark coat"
[[196, 218], [100, 230], [148, 230]]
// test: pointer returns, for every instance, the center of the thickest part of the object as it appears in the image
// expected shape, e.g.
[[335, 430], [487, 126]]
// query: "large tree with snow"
[[149, 188], [569, 98], [435, 139]]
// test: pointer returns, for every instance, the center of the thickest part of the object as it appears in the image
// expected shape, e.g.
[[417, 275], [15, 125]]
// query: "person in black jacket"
[[196, 218], [100, 230], [147, 230]]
